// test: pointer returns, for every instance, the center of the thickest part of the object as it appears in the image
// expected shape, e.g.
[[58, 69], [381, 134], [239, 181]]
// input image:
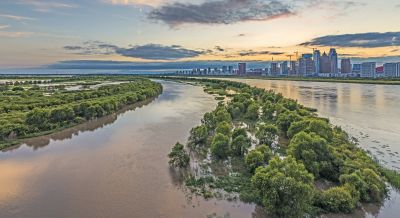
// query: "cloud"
[[149, 51], [46, 6], [135, 2], [219, 48], [4, 26], [92, 48], [220, 12], [241, 35], [362, 40], [15, 17], [256, 53], [15, 34], [158, 52]]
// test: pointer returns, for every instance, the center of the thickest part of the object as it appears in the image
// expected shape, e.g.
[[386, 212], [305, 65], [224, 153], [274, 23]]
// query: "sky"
[[42, 32]]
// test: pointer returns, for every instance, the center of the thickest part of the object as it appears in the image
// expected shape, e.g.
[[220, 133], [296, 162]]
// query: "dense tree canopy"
[[31, 111], [285, 186]]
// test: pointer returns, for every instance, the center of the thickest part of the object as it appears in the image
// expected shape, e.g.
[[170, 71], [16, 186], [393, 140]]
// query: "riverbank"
[[311, 79], [29, 110]]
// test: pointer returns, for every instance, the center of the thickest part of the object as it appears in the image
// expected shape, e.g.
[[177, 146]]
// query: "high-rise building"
[[230, 69], [274, 69], [357, 69], [293, 68], [306, 65], [333, 57], [284, 68], [316, 58], [398, 70], [368, 69], [345, 66], [242, 69], [325, 64], [390, 69], [224, 69]]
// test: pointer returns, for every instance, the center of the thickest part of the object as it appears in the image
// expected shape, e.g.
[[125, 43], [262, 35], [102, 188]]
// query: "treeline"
[[294, 150], [29, 112]]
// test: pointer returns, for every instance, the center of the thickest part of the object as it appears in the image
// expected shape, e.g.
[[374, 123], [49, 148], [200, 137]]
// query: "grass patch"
[[393, 177]]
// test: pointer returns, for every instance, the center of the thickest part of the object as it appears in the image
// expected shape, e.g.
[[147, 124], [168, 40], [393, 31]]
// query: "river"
[[117, 166]]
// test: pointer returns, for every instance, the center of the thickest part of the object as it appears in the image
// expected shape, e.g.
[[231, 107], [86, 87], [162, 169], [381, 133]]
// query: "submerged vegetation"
[[263, 148], [34, 106]]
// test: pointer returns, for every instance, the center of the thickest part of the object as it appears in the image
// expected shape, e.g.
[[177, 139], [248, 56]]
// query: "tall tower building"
[[284, 68], [345, 66], [333, 57], [368, 69], [274, 69], [325, 63], [242, 69], [316, 58], [293, 68], [306, 65], [390, 69]]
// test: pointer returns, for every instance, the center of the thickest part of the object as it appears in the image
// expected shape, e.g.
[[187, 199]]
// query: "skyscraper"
[[284, 68], [306, 65], [345, 66], [390, 69], [368, 69], [293, 68], [316, 58], [242, 69], [274, 69], [398, 70], [325, 64], [333, 57]]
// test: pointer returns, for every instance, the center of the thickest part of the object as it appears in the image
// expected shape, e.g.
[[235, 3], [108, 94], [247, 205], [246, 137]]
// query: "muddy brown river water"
[[117, 166]]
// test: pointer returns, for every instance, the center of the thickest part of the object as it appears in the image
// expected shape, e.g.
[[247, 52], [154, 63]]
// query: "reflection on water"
[[42, 141], [116, 166]]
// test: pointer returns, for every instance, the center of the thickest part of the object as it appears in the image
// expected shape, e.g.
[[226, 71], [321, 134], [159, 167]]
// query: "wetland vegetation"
[[260, 147], [39, 105]]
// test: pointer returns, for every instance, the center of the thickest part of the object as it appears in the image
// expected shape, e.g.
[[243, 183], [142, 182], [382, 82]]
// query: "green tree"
[[313, 151], [252, 111], [209, 121], [224, 128], [286, 118], [337, 199], [239, 131], [285, 186], [220, 146], [178, 156], [38, 118], [268, 110], [266, 134], [367, 182], [254, 159], [198, 135], [266, 151], [240, 145]]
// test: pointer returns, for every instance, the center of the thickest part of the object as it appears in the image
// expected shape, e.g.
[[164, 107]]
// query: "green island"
[[262, 148], [33, 106], [377, 81]]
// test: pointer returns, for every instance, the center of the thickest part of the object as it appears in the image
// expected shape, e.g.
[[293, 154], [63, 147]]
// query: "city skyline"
[[41, 32]]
